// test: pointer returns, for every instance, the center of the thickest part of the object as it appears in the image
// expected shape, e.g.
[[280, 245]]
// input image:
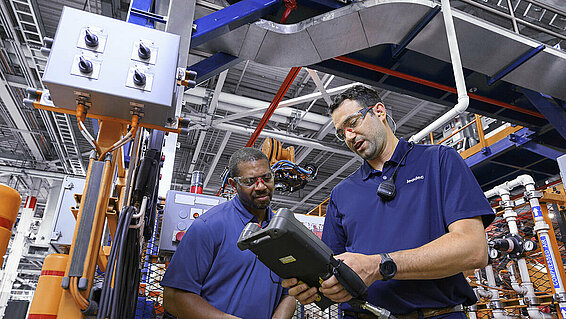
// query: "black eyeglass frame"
[[340, 133]]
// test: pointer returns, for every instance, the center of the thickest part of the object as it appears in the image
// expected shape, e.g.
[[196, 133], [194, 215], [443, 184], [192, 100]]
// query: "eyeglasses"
[[351, 122], [251, 181]]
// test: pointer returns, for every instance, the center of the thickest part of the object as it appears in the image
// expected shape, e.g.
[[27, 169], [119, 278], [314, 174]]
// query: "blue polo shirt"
[[435, 187], [208, 263]]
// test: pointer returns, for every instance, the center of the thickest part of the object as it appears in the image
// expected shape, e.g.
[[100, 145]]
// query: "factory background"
[[514, 59]]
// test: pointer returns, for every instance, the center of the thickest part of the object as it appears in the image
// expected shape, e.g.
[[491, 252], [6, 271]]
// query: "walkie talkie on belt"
[[291, 250]]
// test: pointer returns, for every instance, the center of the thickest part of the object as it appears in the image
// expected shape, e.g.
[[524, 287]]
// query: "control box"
[[181, 209], [114, 66], [64, 222]]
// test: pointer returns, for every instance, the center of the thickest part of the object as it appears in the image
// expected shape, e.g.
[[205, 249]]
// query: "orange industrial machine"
[[11, 201], [45, 304], [108, 70], [274, 152], [289, 177]]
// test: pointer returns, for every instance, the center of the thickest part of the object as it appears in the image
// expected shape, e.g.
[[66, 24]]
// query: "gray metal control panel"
[[181, 209], [64, 221], [116, 66]]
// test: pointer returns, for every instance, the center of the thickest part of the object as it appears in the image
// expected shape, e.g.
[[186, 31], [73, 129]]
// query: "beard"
[[262, 204]]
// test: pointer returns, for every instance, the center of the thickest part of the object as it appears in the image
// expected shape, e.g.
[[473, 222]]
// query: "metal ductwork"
[[484, 47]]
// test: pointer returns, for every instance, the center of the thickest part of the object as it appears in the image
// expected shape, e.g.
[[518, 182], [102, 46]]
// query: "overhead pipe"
[[463, 99], [296, 140], [241, 106], [253, 107]]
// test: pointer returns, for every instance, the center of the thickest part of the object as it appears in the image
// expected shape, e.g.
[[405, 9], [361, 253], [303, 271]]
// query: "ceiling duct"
[[371, 23]]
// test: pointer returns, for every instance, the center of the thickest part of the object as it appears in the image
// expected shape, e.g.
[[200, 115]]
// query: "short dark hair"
[[359, 93], [246, 154]]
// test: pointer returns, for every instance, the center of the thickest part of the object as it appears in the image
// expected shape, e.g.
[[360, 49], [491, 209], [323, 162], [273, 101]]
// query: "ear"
[[380, 111]]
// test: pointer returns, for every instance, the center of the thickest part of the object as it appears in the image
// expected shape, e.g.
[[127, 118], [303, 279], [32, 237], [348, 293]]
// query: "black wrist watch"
[[387, 267]]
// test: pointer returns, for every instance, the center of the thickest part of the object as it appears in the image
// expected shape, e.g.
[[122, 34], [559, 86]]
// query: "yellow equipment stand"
[[45, 304]]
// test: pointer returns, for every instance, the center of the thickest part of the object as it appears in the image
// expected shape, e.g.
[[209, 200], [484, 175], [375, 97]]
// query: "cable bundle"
[[123, 270], [284, 164]]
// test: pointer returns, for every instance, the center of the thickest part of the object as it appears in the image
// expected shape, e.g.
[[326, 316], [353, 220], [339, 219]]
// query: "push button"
[[179, 236]]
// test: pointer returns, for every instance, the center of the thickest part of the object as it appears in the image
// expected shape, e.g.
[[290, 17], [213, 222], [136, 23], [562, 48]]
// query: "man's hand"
[[367, 267], [301, 291]]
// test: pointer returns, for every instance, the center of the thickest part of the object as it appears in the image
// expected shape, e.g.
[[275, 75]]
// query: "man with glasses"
[[209, 277], [408, 221]]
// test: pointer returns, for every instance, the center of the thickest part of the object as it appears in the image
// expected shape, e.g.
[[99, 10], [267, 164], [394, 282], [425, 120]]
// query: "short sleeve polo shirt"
[[434, 188], [208, 263]]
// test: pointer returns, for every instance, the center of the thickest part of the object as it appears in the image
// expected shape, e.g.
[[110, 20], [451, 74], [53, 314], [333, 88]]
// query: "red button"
[[179, 236]]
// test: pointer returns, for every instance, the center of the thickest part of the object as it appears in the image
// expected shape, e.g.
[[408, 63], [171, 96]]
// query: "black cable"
[[108, 275], [109, 271], [119, 258]]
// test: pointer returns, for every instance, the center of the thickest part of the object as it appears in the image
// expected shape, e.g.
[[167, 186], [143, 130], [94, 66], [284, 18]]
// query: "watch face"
[[389, 268]]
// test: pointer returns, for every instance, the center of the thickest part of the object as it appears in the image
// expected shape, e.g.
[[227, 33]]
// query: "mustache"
[[263, 193]]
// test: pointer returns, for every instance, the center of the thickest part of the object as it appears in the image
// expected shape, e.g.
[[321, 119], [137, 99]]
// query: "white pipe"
[[537, 314], [463, 99], [541, 227], [256, 108], [514, 282], [244, 107], [302, 141], [480, 291], [491, 283]]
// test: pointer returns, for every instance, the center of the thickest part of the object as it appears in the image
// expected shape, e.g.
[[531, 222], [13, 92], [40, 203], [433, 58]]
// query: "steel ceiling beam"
[[210, 112], [20, 121], [290, 102], [295, 140], [217, 158], [273, 105], [412, 113], [327, 128], [25, 171], [554, 113]]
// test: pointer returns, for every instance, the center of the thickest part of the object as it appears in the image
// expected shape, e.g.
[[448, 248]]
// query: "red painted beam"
[[435, 85], [273, 106]]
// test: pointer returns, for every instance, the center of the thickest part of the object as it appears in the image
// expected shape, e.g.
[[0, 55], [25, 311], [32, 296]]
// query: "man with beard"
[[411, 245], [209, 277]]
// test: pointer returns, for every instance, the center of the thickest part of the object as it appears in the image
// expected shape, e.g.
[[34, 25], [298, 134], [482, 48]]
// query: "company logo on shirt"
[[414, 179]]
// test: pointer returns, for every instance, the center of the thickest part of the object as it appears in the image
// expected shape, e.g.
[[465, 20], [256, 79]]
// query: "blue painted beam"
[[518, 138], [515, 64], [137, 8], [542, 150], [398, 49], [145, 17], [213, 65], [322, 5], [232, 17], [553, 113]]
